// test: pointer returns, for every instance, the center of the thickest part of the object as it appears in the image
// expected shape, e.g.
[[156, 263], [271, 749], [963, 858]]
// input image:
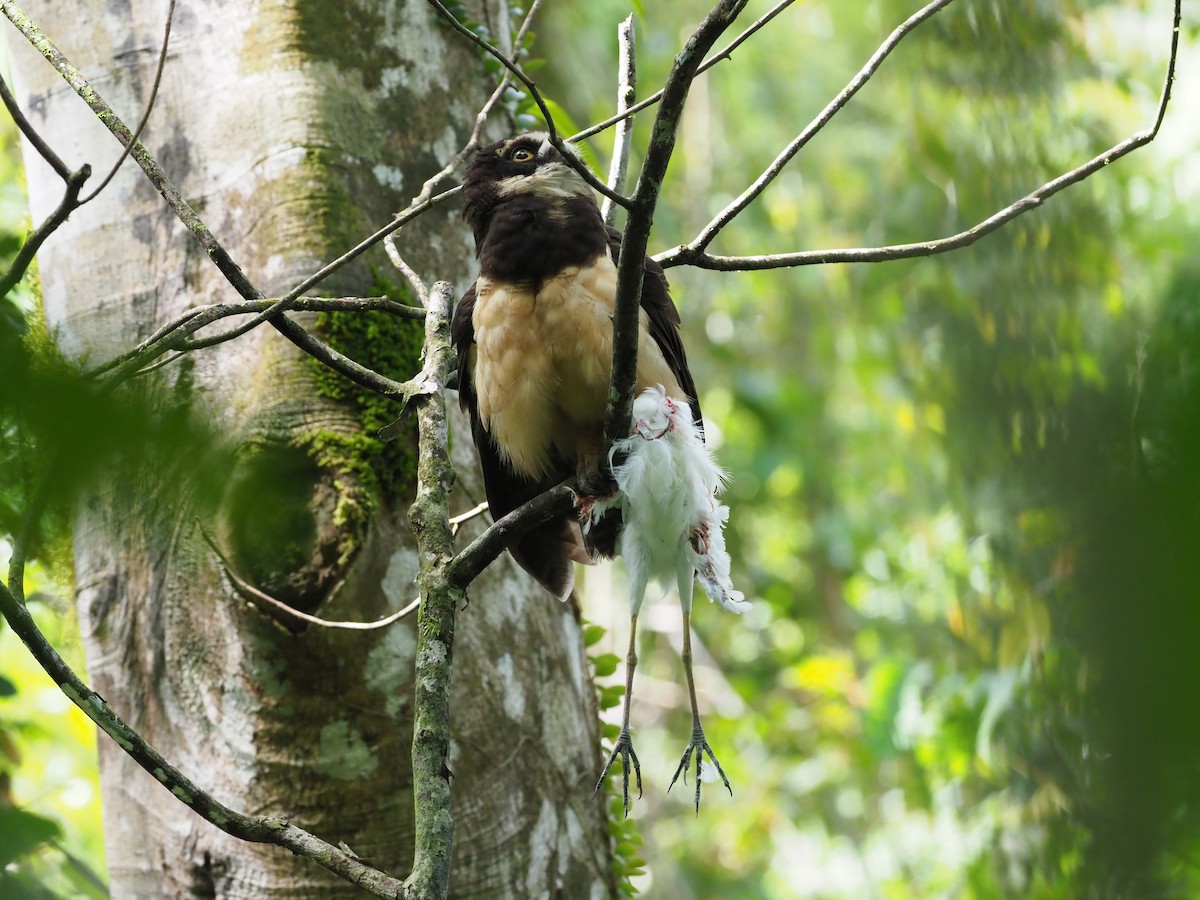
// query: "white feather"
[[667, 483]]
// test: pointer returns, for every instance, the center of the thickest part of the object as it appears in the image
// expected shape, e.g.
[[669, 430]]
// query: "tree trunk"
[[295, 128]]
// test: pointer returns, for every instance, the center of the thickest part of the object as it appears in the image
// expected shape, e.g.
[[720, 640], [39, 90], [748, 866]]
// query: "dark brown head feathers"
[[527, 165]]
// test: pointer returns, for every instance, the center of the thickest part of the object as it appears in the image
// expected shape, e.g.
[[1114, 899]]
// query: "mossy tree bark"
[[295, 128]]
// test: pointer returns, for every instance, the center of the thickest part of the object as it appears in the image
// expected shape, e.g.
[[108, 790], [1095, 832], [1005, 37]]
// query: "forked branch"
[[696, 254]]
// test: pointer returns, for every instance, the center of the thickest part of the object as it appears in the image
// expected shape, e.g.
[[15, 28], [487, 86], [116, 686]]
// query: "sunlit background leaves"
[[949, 500], [964, 488]]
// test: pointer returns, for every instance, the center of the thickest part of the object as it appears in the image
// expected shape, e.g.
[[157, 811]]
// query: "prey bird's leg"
[[697, 743], [624, 745]]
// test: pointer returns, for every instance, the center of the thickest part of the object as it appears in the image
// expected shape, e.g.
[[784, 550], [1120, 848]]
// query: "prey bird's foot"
[[700, 746], [624, 749]]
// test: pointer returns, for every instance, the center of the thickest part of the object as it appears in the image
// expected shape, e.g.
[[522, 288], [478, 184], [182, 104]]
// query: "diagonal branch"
[[631, 266], [694, 254], [532, 87], [233, 273], [137, 132], [175, 334], [469, 562], [31, 135], [725, 53], [730, 212], [414, 210], [69, 203], [258, 829]]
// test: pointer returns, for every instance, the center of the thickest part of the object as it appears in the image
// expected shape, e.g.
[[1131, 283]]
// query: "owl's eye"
[[521, 154]]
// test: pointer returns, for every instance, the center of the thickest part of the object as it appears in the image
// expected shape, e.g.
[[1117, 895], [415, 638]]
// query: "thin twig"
[[174, 335], [730, 212], [137, 132], [161, 363], [68, 204], [692, 256], [401, 219], [477, 510], [233, 273], [31, 134], [577, 164], [262, 830], [723, 54], [409, 273], [315, 304], [626, 94], [274, 607]]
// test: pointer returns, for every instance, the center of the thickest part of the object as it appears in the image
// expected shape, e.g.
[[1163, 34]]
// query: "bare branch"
[[137, 132], [31, 135], [409, 273], [315, 304], [233, 273], [415, 209], [717, 57], [555, 139], [727, 215], [626, 94], [693, 255], [430, 519], [174, 335], [262, 830], [469, 562], [288, 615], [29, 249], [476, 510], [631, 266]]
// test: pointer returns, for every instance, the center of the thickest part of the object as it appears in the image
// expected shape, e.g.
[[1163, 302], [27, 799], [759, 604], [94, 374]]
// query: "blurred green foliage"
[[964, 489], [51, 843], [64, 436], [50, 837]]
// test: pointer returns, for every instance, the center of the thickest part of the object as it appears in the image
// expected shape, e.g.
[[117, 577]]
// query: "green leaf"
[[592, 634], [605, 664], [22, 832]]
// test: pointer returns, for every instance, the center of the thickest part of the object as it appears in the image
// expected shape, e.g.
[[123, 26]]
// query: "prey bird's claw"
[[699, 744], [623, 748]]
